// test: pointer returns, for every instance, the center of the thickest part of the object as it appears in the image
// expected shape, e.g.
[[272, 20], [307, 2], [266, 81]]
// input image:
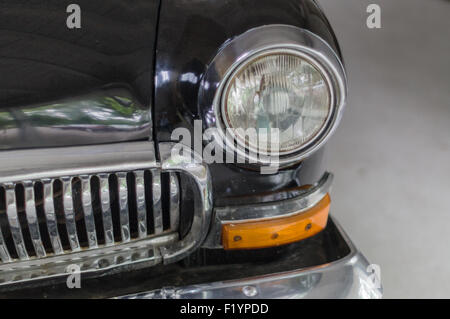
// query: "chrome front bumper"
[[348, 277]]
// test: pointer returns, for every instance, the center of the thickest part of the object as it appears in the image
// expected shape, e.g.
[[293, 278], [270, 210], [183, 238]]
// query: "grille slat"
[[69, 214], [174, 202], [49, 209], [106, 209], [157, 206], [4, 254], [123, 207], [14, 223], [140, 204], [33, 224], [88, 211]]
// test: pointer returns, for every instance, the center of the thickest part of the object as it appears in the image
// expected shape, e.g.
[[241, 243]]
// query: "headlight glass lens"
[[277, 91]]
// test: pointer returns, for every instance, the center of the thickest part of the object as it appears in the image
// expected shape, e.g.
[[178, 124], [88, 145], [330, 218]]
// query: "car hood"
[[63, 85]]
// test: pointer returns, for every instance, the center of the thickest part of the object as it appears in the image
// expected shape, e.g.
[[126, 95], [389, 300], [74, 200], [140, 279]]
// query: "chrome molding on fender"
[[54, 192], [306, 200], [108, 115]]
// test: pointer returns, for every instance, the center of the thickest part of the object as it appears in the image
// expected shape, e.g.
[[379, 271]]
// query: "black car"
[[171, 149]]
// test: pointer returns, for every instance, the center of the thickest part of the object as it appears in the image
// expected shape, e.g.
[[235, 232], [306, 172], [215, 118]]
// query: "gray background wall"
[[391, 154]]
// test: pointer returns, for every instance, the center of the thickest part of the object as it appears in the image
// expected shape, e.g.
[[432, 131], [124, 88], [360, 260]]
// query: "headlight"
[[274, 78], [277, 90]]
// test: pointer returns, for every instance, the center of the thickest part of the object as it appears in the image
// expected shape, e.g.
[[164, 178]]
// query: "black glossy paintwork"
[[189, 36], [42, 61], [238, 186]]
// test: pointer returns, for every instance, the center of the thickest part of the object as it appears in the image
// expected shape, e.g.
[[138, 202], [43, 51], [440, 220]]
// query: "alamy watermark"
[[215, 146], [374, 19], [73, 21], [74, 278]]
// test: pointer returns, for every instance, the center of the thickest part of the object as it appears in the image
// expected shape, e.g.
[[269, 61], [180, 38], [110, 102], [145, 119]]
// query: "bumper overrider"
[[27, 254]]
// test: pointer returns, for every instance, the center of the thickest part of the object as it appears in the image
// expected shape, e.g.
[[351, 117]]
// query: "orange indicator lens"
[[277, 231]]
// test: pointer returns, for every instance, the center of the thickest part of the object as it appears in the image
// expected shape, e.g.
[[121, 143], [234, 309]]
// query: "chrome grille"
[[86, 216], [98, 208]]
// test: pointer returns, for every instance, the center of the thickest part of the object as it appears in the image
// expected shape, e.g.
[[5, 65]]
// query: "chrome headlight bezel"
[[247, 47], [293, 50]]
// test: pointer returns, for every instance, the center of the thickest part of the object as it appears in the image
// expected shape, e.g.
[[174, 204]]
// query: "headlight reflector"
[[277, 90]]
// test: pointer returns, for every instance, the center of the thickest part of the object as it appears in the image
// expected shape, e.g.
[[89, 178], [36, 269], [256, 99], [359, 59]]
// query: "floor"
[[391, 153]]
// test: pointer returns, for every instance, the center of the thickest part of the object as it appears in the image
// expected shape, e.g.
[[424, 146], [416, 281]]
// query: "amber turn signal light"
[[278, 231]]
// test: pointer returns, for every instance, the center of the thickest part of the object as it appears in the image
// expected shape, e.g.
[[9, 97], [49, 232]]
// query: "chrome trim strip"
[[97, 260], [33, 225], [14, 223], [278, 209], [265, 211], [69, 213], [50, 216], [141, 204], [87, 210], [345, 278], [157, 207], [174, 202], [106, 209], [45, 163], [191, 163], [123, 207]]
